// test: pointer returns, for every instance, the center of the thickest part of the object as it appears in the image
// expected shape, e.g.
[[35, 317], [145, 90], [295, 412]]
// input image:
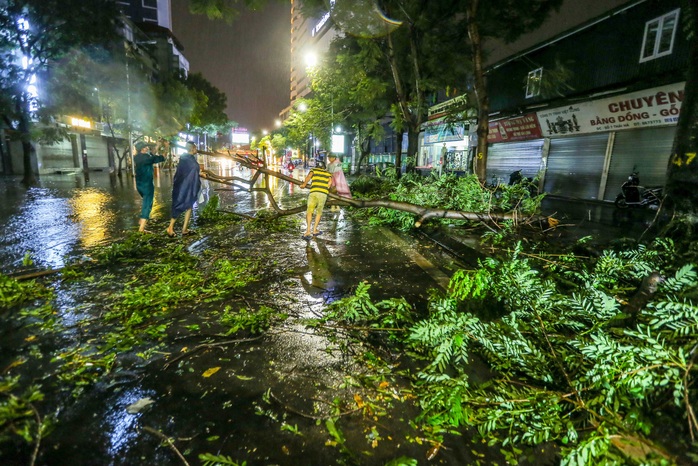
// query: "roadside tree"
[[33, 33], [682, 175], [211, 110], [496, 19], [424, 54], [227, 10], [354, 84]]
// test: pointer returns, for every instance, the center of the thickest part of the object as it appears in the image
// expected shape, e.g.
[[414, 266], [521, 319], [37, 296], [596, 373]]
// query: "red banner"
[[514, 129]]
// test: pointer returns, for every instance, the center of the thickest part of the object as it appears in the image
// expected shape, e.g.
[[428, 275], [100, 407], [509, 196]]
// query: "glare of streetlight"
[[310, 60], [277, 123], [265, 132], [338, 129]]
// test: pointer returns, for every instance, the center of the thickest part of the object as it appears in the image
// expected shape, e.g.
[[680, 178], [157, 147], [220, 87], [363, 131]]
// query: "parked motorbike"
[[634, 195], [517, 177]]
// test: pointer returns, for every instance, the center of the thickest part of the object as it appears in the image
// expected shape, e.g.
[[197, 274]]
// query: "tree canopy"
[[227, 10], [68, 58], [33, 33]]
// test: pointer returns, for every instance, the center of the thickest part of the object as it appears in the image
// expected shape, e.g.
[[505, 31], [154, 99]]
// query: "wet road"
[[265, 389], [286, 378], [67, 214]]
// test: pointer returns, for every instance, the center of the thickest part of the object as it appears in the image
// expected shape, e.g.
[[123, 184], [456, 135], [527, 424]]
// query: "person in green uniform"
[[144, 162], [320, 182]]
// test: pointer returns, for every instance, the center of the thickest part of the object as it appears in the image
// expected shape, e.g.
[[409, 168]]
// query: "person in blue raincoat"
[[144, 162], [185, 189]]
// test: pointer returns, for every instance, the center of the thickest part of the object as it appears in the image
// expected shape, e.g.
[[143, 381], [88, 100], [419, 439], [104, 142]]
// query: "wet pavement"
[[68, 214], [262, 404], [265, 399]]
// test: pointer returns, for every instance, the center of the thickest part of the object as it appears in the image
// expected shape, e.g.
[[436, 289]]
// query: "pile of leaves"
[[595, 359], [130, 294]]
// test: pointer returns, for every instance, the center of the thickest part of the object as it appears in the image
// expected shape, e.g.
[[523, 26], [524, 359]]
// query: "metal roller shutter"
[[575, 165], [646, 151], [503, 159]]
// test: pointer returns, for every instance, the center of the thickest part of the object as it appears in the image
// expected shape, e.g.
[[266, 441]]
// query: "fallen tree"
[[259, 169]]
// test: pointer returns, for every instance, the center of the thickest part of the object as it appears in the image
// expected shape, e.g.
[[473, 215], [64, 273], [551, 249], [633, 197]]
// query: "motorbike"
[[634, 195], [517, 177]]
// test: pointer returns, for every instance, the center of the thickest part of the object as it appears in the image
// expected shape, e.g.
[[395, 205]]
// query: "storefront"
[[84, 149], [595, 145], [444, 141], [514, 144], [645, 151]]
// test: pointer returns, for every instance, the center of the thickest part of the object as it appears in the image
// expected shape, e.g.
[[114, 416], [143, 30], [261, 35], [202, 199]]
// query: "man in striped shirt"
[[320, 182]]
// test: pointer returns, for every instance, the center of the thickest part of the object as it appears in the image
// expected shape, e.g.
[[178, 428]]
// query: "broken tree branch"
[[259, 168]]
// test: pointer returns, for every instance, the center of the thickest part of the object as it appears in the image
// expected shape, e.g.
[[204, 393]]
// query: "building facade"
[[157, 12], [152, 51], [585, 109], [310, 40]]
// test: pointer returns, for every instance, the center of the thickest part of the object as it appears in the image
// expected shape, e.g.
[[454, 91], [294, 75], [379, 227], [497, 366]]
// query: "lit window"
[[659, 36], [533, 83]]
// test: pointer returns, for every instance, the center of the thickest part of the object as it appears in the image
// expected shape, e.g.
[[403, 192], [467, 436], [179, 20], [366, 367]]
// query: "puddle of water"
[[65, 215]]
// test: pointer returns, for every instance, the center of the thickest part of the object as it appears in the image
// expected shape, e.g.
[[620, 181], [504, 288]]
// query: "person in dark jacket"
[[144, 162], [185, 189]]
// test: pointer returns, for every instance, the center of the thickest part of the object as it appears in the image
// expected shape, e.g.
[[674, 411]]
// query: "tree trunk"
[[412, 147], [364, 150], [403, 103], [399, 136], [483, 101], [6, 155], [28, 152], [682, 173]]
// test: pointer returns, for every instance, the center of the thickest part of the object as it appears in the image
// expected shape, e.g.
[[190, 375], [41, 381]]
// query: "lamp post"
[[263, 142], [128, 118], [129, 46]]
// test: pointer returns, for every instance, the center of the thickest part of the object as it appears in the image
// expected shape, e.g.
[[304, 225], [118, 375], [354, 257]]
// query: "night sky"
[[249, 60]]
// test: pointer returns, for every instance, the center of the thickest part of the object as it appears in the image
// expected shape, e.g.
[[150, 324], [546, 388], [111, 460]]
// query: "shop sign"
[[319, 25], [438, 131], [519, 128], [659, 106]]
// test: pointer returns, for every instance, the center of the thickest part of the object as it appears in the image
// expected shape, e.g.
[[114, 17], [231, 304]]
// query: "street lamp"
[[99, 103], [130, 47], [311, 60]]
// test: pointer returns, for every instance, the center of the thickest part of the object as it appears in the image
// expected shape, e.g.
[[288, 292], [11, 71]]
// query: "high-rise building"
[[148, 11], [310, 39], [154, 17]]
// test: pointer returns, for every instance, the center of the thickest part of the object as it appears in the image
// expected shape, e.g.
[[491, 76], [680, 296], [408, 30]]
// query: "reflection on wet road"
[[285, 377], [66, 214]]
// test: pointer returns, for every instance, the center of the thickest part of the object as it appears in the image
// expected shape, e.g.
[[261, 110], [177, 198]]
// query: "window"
[[533, 83], [659, 36]]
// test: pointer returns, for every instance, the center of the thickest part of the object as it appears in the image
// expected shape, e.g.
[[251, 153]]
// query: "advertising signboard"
[[518, 128], [659, 106]]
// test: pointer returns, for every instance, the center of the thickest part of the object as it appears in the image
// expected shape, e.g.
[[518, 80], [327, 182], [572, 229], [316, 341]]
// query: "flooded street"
[[213, 348], [68, 214], [261, 398]]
